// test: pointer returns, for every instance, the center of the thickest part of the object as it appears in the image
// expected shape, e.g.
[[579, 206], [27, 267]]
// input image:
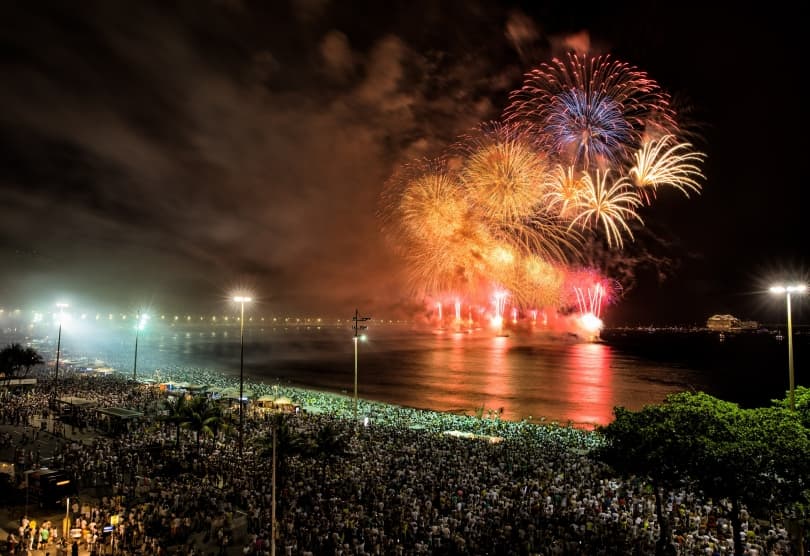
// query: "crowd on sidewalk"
[[393, 484]]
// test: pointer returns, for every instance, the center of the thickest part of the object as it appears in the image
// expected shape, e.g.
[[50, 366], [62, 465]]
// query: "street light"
[[787, 290], [138, 327], [60, 318], [241, 299], [66, 522], [357, 328], [276, 418]]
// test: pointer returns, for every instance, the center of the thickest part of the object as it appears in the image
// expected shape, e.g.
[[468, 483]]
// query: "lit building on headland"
[[729, 323]]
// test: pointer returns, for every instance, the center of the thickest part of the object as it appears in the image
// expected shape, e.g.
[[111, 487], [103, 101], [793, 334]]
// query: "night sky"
[[169, 153]]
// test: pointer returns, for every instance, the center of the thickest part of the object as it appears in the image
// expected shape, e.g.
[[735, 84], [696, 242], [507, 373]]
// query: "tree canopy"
[[759, 457], [802, 402], [17, 361]]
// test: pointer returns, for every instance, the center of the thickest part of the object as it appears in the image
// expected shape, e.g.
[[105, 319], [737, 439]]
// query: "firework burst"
[[609, 206], [537, 283], [524, 198], [590, 112], [432, 207], [430, 225], [667, 162], [503, 173], [564, 191]]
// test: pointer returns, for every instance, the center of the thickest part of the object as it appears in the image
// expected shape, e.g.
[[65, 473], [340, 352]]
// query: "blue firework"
[[590, 112]]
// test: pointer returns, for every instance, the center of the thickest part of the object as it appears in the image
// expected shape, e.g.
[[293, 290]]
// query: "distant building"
[[730, 322], [722, 322]]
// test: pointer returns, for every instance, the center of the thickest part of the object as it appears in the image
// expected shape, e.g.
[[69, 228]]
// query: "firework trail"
[[564, 191], [666, 162], [590, 299], [610, 205], [590, 292], [499, 304]]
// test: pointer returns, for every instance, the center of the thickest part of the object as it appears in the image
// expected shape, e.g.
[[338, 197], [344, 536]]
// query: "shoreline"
[[261, 387], [339, 403]]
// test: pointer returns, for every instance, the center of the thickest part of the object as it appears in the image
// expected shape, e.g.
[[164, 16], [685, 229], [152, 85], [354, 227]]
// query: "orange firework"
[[432, 208], [503, 174], [543, 234], [456, 265], [564, 191], [438, 235], [538, 283], [607, 205]]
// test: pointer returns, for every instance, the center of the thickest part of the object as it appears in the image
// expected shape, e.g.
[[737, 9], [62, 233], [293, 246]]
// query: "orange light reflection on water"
[[448, 391], [497, 383], [590, 383]]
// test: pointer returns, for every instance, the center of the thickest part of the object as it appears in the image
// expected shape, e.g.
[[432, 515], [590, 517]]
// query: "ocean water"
[[523, 375]]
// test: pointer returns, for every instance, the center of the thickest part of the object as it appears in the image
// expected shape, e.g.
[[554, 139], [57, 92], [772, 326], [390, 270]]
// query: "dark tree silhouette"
[[17, 361]]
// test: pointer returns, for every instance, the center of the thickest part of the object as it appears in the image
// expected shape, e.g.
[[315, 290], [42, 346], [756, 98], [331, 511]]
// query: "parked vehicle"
[[49, 487]]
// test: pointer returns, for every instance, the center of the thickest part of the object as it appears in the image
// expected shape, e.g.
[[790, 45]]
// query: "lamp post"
[[241, 299], [787, 290], [61, 317], [357, 328], [138, 327], [66, 522], [273, 490], [27, 480]]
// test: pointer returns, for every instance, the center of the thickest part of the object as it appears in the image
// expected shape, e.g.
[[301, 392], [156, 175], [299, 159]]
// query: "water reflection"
[[589, 383], [529, 375], [498, 375], [445, 375]]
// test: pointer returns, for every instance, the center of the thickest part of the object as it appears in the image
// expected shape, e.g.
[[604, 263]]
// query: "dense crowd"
[[393, 483]]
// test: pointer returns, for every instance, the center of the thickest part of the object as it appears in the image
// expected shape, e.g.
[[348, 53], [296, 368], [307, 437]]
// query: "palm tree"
[[327, 446], [279, 444], [288, 443], [219, 422], [16, 360], [30, 358], [177, 415], [202, 417]]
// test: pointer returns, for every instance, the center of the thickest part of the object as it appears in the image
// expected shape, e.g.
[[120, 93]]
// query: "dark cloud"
[[170, 152]]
